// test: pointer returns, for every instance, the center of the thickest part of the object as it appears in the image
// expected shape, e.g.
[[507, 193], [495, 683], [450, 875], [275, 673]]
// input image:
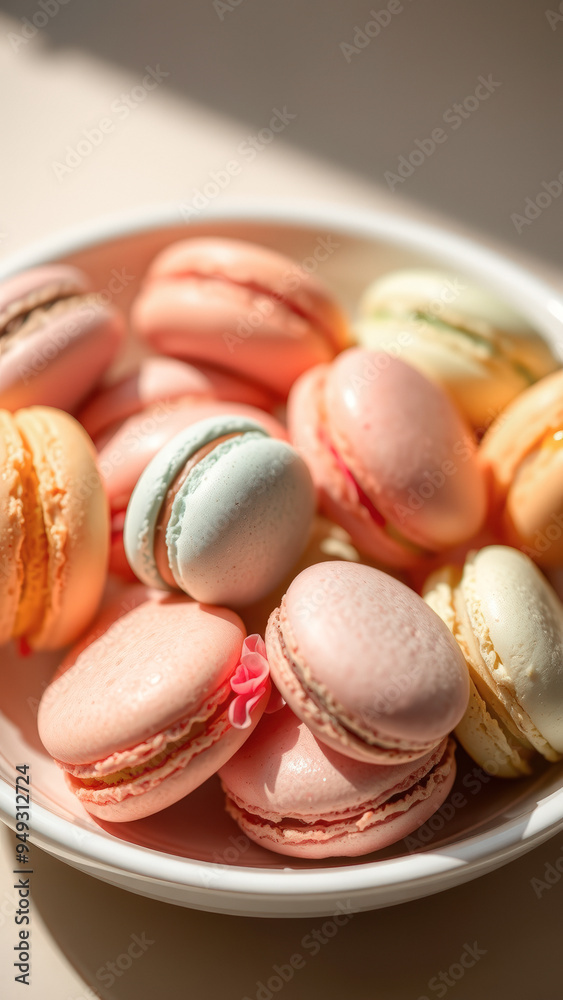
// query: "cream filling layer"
[[131, 771], [300, 828], [489, 674]]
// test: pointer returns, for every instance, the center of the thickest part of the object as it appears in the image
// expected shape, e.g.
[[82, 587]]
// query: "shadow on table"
[[359, 99]]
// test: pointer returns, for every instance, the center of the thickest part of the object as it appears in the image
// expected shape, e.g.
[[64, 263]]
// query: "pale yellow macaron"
[[479, 348], [508, 622]]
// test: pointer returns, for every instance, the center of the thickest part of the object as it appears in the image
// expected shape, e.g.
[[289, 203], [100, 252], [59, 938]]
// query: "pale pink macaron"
[[57, 336], [241, 307], [124, 452], [395, 463], [158, 696], [158, 379], [359, 658], [292, 794]]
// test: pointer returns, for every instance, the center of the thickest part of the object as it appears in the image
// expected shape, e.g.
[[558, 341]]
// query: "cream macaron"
[[457, 333], [508, 622]]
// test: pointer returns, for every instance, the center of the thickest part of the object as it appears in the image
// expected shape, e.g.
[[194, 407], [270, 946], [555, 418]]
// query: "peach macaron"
[[240, 307], [157, 696], [54, 528]]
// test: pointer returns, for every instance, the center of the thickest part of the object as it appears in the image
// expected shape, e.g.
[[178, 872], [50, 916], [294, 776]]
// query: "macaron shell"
[[148, 667], [76, 522], [518, 621], [160, 379], [249, 264], [27, 288], [15, 462], [480, 383], [126, 452], [158, 794], [375, 656], [298, 797], [488, 743], [241, 520], [241, 307], [444, 294], [152, 487], [338, 496], [405, 443], [519, 429], [202, 321]]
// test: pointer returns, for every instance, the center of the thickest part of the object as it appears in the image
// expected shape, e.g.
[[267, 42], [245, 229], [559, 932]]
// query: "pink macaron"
[[240, 307], [158, 696], [158, 379], [395, 463], [58, 338], [292, 794], [359, 658], [125, 450]]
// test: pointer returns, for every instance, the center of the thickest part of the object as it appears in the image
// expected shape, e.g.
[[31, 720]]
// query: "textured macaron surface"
[[518, 621], [294, 795], [369, 652], [157, 663]]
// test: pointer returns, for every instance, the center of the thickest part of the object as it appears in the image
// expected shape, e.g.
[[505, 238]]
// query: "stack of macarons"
[[373, 501]]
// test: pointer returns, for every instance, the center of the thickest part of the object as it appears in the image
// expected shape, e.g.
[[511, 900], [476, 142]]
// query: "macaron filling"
[[132, 771], [495, 688], [162, 553], [420, 785], [318, 706], [375, 514], [269, 295], [23, 316]]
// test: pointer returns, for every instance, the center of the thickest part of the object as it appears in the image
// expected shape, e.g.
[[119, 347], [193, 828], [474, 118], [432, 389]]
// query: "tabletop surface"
[[171, 127]]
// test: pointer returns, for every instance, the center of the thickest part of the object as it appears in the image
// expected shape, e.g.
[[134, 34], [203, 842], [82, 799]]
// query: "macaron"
[[57, 338], [508, 622], [522, 454], [222, 512], [477, 346], [365, 663], [152, 702], [157, 380], [395, 463], [54, 528], [240, 307], [294, 795], [126, 449]]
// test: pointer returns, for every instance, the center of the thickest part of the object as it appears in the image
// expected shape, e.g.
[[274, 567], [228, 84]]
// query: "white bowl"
[[193, 854]]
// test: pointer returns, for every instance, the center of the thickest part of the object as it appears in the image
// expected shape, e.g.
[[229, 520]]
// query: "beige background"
[[354, 119]]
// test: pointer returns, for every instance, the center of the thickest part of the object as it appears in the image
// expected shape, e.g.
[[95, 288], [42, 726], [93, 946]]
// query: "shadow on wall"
[[447, 103]]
